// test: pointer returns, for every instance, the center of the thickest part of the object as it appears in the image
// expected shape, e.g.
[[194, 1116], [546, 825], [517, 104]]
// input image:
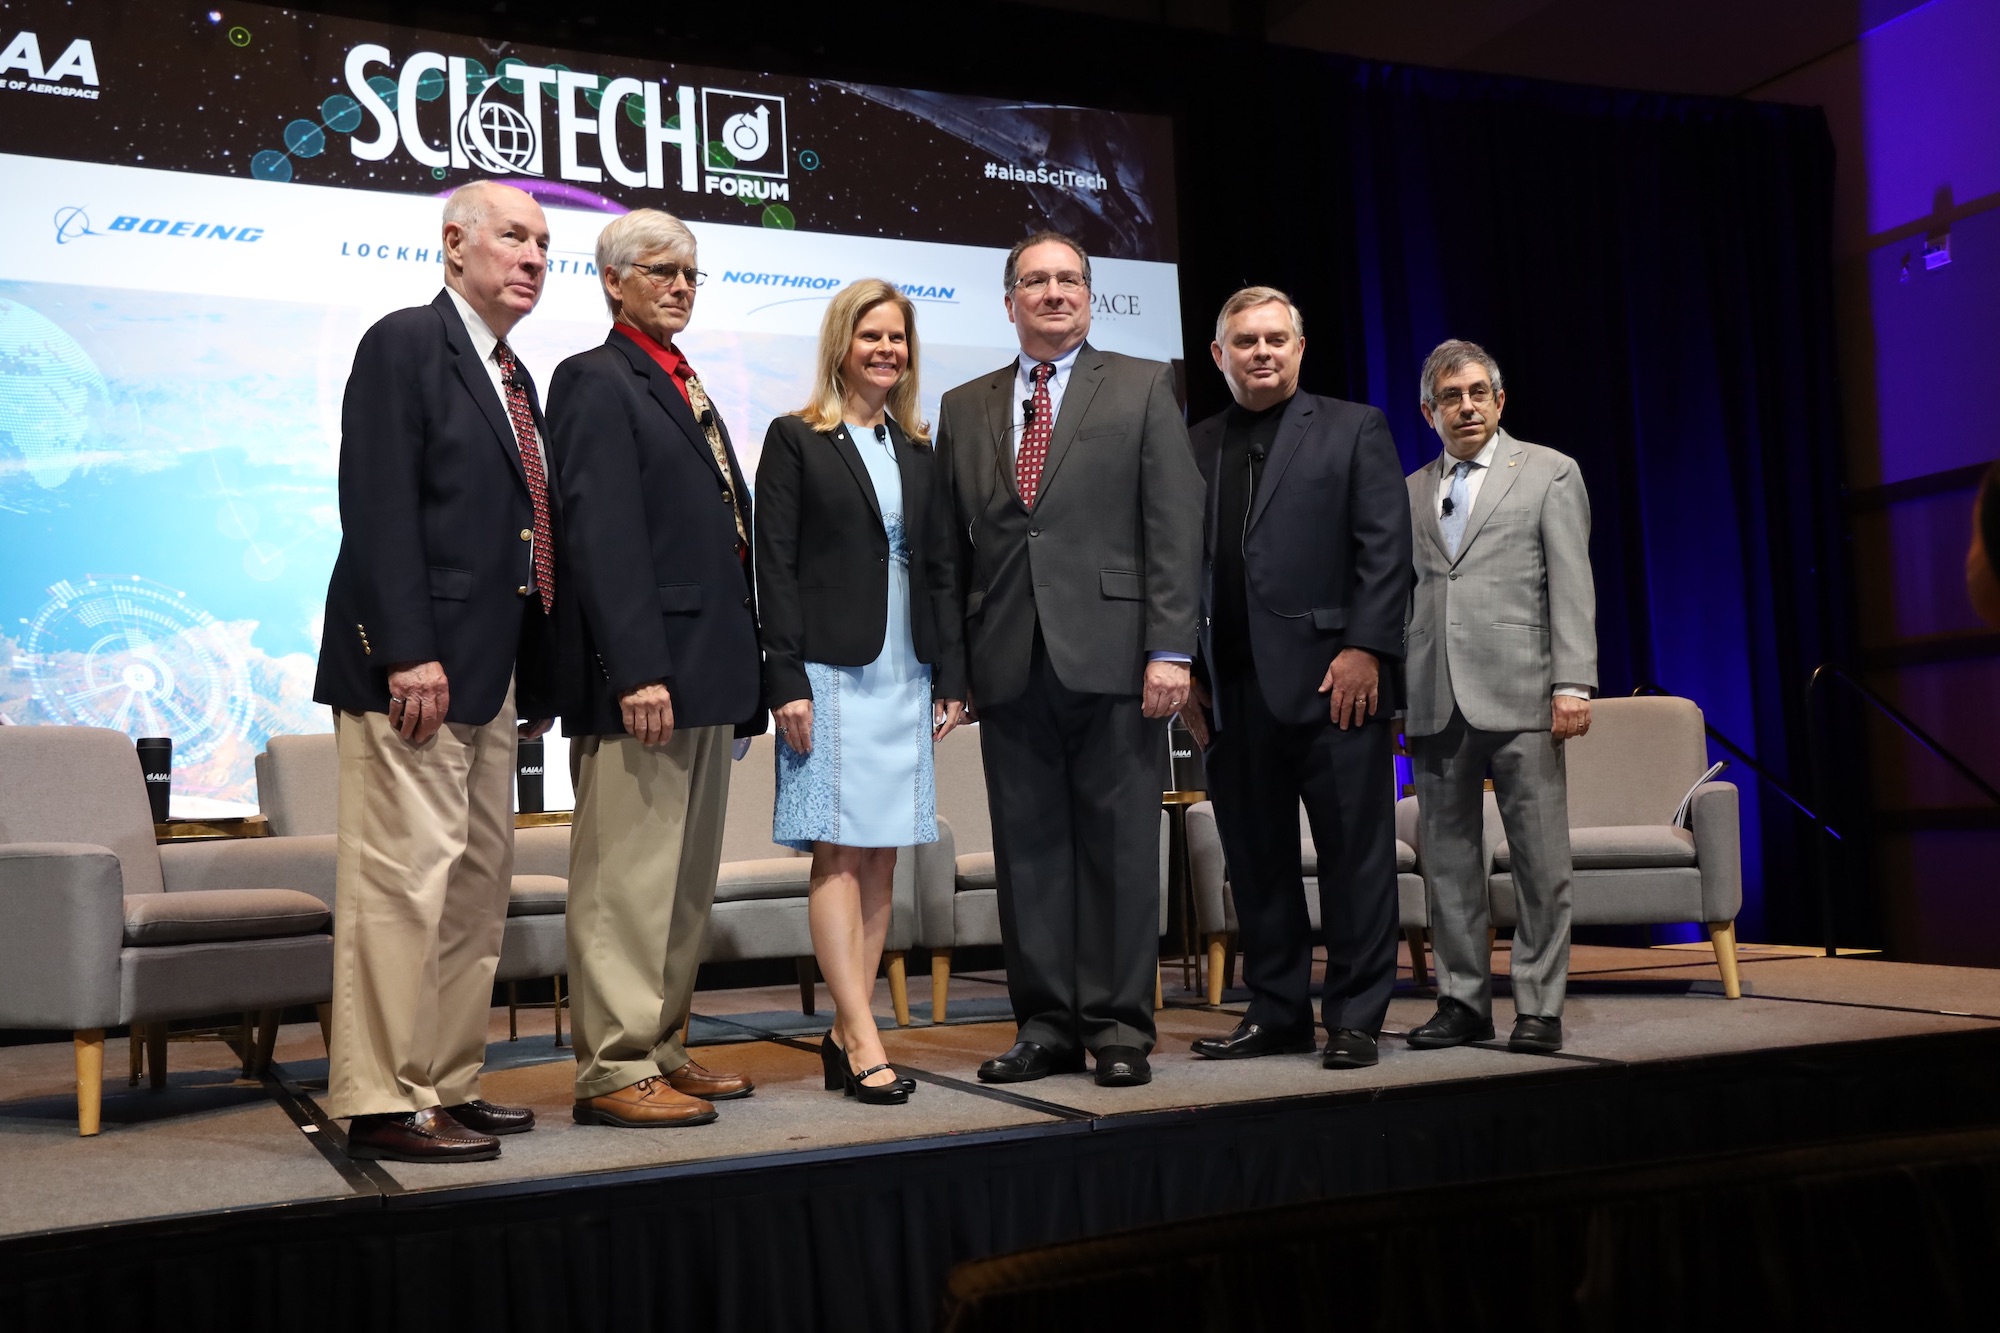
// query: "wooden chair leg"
[[267, 1038], [940, 982], [156, 1055], [135, 1040], [513, 1010], [1722, 934], [1218, 950], [808, 978], [90, 1080], [249, 1038], [1159, 990], [899, 986], [325, 1014], [1229, 960], [557, 981], [1420, 972]]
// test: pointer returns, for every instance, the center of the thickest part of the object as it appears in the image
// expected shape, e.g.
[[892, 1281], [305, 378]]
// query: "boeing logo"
[[73, 224], [214, 231]]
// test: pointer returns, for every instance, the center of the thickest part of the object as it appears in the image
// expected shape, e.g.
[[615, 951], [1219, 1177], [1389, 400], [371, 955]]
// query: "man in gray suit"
[[1502, 657], [1076, 511]]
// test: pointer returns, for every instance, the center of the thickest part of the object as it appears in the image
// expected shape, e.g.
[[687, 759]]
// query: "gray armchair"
[[958, 895], [100, 927], [1215, 904], [298, 789], [1633, 866]]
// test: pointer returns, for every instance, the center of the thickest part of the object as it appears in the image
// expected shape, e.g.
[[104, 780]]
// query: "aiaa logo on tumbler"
[[749, 128]]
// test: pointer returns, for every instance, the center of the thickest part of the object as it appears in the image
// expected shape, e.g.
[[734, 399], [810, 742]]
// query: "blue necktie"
[[1459, 503]]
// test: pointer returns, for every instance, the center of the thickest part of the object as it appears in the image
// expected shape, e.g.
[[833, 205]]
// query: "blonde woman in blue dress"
[[863, 673]]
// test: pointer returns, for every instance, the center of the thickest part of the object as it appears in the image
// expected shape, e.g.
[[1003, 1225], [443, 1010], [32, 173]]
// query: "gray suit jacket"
[[1109, 560], [1515, 615]]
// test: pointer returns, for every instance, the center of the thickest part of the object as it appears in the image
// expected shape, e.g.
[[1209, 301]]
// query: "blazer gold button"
[[527, 534], [521, 591]]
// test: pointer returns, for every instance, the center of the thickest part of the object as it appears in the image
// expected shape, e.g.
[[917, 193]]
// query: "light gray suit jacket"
[[1108, 562], [1497, 629]]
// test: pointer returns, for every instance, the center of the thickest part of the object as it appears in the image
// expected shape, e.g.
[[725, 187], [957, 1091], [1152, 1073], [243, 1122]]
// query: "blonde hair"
[[828, 404]]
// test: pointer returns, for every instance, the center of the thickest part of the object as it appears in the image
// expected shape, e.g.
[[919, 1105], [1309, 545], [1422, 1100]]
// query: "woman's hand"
[[945, 715], [795, 724]]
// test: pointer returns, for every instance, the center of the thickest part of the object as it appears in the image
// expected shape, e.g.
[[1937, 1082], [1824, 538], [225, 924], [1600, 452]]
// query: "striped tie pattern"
[[1034, 450], [523, 417]]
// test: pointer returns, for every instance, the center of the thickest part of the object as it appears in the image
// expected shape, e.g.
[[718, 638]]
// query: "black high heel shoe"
[[833, 1060], [870, 1094]]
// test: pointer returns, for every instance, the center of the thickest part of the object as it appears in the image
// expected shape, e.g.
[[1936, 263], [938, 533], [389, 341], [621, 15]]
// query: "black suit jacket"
[[1326, 550], [656, 591], [1108, 562], [433, 504], [823, 556]]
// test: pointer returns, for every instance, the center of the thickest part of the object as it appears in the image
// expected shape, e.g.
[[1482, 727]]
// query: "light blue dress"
[[868, 780]]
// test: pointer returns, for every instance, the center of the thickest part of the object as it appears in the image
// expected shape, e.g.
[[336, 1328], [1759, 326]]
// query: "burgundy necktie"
[[1034, 450], [523, 417]]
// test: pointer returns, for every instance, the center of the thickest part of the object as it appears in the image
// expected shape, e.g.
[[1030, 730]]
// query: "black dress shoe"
[[429, 1135], [1122, 1067], [1026, 1061], [1349, 1048], [1536, 1036], [483, 1117], [1250, 1039], [1454, 1024]]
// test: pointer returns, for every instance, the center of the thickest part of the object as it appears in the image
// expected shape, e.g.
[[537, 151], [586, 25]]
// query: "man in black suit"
[[437, 637], [1308, 541], [661, 670], [1077, 509]]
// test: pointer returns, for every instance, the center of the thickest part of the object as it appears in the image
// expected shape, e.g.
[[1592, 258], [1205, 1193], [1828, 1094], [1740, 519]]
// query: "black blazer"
[[657, 592], [1326, 550], [433, 502], [822, 560]]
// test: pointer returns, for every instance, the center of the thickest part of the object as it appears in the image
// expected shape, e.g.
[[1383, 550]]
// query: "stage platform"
[[800, 1208]]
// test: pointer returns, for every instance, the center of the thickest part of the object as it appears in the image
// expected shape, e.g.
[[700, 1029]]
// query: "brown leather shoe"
[[648, 1104], [429, 1135], [695, 1081], [484, 1117]]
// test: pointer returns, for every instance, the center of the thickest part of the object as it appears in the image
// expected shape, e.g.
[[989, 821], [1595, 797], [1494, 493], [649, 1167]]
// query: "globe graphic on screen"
[[50, 396], [497, 137]]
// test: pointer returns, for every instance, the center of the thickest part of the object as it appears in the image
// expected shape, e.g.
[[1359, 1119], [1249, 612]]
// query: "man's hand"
[[419, 697], [1194, 715], [795, 724], [648, 713], [1167, 685], [946, 714], [1572, 716], [538, 727], [1352, 683]]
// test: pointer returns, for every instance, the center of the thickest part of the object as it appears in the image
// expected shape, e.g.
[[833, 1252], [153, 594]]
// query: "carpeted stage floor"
[[212, 1142]]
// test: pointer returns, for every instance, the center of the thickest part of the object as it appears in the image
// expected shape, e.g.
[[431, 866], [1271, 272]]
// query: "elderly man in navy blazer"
[[1308, 575], [438, 633]]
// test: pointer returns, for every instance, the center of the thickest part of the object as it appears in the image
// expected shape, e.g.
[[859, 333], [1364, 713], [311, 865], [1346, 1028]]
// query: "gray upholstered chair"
[[1215, 903], [761, 892], [298, 789], [958, 895], [100, 927], [1633, 865]]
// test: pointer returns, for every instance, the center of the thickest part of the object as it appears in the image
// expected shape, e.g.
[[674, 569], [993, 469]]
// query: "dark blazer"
[[1109, 561], [433, 504], [656, 589], [1326, 550], [822, 560]]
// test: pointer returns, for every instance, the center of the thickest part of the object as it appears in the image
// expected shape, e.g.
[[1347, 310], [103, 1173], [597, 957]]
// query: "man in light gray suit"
[[1502, 657], [1074, 571]]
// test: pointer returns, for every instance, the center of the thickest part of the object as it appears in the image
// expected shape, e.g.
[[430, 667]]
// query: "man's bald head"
[[496, 246]]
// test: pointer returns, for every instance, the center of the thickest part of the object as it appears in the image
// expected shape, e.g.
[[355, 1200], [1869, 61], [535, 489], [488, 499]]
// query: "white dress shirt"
[[484, 340], [1482, 463]]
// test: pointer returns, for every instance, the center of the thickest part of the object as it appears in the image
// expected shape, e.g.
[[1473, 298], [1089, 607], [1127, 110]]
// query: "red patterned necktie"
[[523, 417], [1034, 450]]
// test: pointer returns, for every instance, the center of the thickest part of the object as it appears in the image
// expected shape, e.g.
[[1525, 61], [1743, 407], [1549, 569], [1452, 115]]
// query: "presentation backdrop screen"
[[205, 208]]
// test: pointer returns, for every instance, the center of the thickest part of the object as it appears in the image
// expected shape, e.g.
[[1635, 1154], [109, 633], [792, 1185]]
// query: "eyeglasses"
[[1034, 284], [664, 274], [1479, 395]]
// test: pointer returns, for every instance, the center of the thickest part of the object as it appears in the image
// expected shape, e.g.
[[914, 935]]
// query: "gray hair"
[[468, 205], [1249, 298], [640, 232], [1448, 358], [1013, 269]]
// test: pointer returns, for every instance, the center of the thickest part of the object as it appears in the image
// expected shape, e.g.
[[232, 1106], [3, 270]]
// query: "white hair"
[[640, 232]]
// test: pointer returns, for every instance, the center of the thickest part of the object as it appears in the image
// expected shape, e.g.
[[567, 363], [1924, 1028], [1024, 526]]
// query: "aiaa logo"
[[749, 128], [24, 53]]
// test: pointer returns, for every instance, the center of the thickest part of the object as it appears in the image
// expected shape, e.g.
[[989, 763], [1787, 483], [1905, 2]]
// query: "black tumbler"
[[528, 777], [156, 761]]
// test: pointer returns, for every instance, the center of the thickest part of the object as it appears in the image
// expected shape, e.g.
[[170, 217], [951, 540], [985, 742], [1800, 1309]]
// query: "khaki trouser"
[[644, 846], [425, 864]]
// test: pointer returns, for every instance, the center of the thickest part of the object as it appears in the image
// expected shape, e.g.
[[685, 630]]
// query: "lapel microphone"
[[1027, 413], [1448, 507], [707, 417], [881, 433]]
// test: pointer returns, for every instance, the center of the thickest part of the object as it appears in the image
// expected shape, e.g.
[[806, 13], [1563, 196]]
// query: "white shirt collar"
[[484, 339], [1026, 370], [1482, 459]]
